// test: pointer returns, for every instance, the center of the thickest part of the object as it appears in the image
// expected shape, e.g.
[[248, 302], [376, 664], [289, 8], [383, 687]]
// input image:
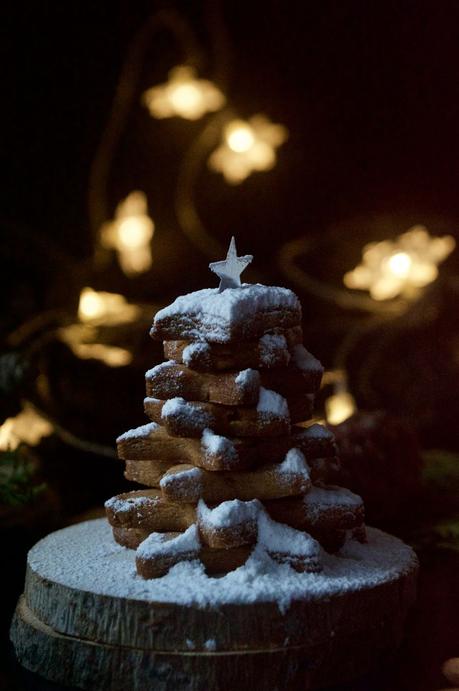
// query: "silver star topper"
[[229, 270]]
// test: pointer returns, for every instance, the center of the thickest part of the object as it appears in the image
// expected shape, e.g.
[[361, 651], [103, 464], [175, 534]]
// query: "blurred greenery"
[[18, 484], [441, 470], [447, 533], [438, 526]]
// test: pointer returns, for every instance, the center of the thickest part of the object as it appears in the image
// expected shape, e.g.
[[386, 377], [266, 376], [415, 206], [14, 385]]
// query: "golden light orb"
[[183, 95], [239, 136], [130, 233], [91, 305], [400, 264], [247, 146], [339, 407], [185, 98], [135, 231]]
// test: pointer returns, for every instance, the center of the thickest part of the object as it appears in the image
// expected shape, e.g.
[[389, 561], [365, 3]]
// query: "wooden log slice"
[[82, 584], [86, 664]]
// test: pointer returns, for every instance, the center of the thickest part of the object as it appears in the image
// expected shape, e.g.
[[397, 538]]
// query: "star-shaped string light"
[[247, 146], [184, 95], [229, 270], [130, 233], [401, 266]]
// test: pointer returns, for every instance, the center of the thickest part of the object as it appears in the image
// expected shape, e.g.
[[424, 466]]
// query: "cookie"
[[230, 524], [147, 473], [234, 523], [327, 513], [287, 545], [300, 407], [131, 538], [186, 483], [271, 350], [316, 440], [151, 442], [161, 551], [319, 447], [183, 418], [147, 510], [170, 380], [237, 314], [302, 375], [211, 451]]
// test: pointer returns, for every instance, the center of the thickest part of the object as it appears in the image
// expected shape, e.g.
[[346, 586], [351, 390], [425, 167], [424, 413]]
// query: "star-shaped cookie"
[[229, 270]]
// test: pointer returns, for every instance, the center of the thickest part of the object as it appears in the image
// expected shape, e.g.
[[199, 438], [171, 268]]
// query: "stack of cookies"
[[229, 462]]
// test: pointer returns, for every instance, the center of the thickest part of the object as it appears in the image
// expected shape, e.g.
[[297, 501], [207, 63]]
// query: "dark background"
[[368, 91], [370, 95]]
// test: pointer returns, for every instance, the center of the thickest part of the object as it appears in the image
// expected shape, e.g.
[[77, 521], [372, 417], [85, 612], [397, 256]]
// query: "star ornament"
[[229, 270]]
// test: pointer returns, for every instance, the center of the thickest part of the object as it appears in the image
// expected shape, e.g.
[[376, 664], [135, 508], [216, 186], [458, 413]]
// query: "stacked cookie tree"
[[236, 485], [230, 464]]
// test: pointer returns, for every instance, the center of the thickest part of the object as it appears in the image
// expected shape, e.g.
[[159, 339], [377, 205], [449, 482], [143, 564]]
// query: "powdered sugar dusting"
[[282, 539], [181, 480], [199, 349], [273, 350], [317, 431], [158, 544], [125, 504], [248, 378], [229, 513], [272, 403], [233, 303], [157, 369], [332, 496], [293, 463], [106, 568], [193, 415], [216, 445], [168, 372], [304, 360], [142, 432]]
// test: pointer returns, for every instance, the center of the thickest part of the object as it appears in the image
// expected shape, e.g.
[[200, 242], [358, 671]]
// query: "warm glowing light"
[[100, 309], [107, 308], [110, 355], [81, 340], [27, 427], [7, 439], [239, 136], [130, 234], [134, 232], [184, 95], [90, 306], [247, 146], [339, 407], [401, 266]]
